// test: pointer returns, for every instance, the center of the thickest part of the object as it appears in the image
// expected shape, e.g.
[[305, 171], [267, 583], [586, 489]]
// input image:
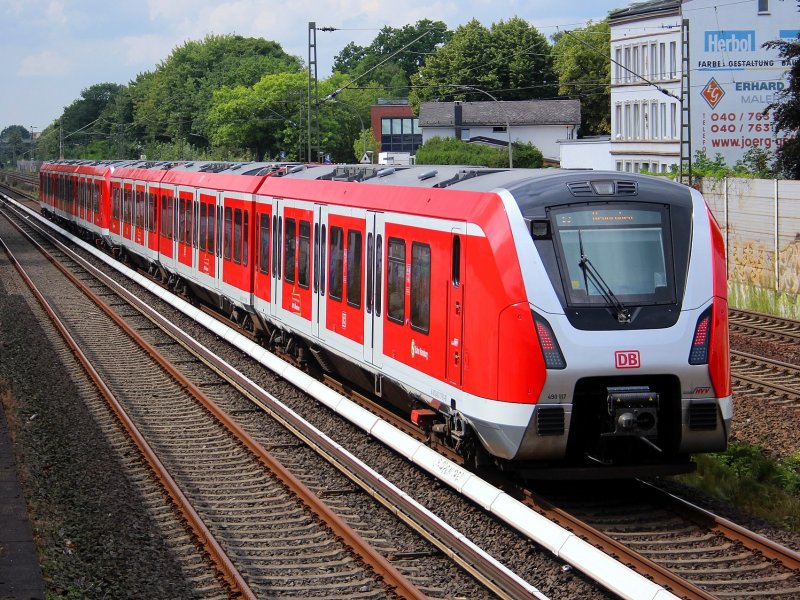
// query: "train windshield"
[[614, 254]]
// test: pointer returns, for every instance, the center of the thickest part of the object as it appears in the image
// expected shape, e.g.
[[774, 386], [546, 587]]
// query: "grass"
[[746, 477], [765, 300]]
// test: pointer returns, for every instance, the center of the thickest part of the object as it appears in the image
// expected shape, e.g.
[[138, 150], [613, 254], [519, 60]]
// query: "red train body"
[[539, 317]]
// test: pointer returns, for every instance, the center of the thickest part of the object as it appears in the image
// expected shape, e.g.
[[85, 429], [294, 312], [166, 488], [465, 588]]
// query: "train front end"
[[632, 323]]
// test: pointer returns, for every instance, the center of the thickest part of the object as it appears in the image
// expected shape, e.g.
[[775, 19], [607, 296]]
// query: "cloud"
[[55, 12], [44, 64]]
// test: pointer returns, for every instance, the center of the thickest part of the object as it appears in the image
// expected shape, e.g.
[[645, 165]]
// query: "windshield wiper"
[[592, 274]]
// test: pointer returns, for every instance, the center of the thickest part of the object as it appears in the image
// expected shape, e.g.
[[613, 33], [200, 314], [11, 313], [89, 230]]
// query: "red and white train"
[[527, 317]]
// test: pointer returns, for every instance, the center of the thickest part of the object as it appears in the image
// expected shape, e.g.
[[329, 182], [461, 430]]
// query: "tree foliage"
[[581, 59], [786, 109], [172, 101], [396, 73], [15, 140], [510, 60]]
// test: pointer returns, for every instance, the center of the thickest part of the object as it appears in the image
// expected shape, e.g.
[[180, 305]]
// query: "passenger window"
[[188, 221], [316, 257], [153, 213], [263, 259], [420, 287], [303, 256], [203, 226], [182, 220], [456, 275], [395, 281], [378, 274], [237, 236], [246, 238], [226, 242], [354, 268], [370, 271], [289, 243], [164, 222], [211, 228], [335, 267], [323, 247]]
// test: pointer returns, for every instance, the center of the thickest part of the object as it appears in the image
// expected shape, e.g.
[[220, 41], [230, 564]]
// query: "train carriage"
[[527, 317]]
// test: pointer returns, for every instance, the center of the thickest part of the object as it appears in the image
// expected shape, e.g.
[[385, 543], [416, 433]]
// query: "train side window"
[[188, 222], [203, 226], [378, 274], [303, 254], [274, 247], [396, 280], [219, 231], [153, 213], [210, 228], [237, 236], [323, 248], [370, 271], [335, 266], [289, 246], [246, 239], [263, 259], [181, 220], [163, 216], [228, 235], [456, 276], [115, 204], [354, 268], [420, 287], [316, 257]]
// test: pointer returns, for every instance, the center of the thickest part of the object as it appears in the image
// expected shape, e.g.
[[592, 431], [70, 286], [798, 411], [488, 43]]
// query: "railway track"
[[761, 326], [241, 503], [668, 564]]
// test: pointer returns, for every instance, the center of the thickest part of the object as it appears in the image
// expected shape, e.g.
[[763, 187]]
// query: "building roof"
[[520, 112], [640, 9]]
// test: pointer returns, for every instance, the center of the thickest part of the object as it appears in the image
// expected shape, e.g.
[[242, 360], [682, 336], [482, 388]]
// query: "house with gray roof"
[[540, 122]]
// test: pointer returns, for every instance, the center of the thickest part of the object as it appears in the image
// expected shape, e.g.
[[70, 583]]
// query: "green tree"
[[14, 141], [581, 59], [396, 73], [172, 102], [511, 60], [786, 109]]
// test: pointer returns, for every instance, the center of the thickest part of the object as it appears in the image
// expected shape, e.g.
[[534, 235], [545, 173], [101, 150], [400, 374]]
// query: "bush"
[[450, 151]]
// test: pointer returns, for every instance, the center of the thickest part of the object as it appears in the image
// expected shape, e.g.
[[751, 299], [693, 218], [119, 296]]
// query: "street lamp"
[[505, 112], [33, 145]]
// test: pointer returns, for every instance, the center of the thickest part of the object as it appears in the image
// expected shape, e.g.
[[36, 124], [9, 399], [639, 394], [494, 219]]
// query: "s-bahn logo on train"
[[627, 359], [417, 351]]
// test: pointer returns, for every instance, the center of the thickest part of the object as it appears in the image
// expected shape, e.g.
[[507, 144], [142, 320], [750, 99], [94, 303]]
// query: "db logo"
[[627, 359]]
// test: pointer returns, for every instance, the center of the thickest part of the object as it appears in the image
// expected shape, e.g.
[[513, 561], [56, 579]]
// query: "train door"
[[320, 241], [185, 251], [277, 236], [139, 236], [455, 310], [127, 209], [166, 230], [262, 279], [373, 322], [114, 225], [206, 238], [294, 294]]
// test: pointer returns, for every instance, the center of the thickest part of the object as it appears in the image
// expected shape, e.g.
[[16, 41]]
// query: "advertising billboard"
[[733, 78]]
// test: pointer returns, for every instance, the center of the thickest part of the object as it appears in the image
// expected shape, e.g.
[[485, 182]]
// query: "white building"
[[731, 78], [540, 122], [646, 86]]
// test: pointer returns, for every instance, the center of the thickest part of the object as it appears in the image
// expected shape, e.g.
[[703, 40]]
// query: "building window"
[[627, 129], [763, 7], [627, 64], [618, 65], [654, 61], [499, 129], [662, 60], [673, 60], [619, 165], [465, 135], [618, 122], [400, 134], [635, 65], [674, 121], [663, 121], [636, 121]]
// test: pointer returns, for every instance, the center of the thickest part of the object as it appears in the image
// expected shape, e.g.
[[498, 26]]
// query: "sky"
[[51, 50]]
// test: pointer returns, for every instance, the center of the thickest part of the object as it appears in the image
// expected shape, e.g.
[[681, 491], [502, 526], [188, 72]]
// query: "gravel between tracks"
[[94, 535]]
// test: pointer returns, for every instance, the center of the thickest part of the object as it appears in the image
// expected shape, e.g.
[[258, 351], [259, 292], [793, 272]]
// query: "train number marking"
[[627, 359]]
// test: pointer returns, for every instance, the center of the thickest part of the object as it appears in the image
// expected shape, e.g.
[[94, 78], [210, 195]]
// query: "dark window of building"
[[400, 134]]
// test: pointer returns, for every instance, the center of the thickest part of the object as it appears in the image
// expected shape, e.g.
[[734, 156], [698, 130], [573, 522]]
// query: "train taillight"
[[551, 351], [698, 355]]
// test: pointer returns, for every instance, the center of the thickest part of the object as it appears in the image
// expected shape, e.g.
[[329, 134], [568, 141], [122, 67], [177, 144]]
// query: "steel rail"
[[203, 534], [382, 567]]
